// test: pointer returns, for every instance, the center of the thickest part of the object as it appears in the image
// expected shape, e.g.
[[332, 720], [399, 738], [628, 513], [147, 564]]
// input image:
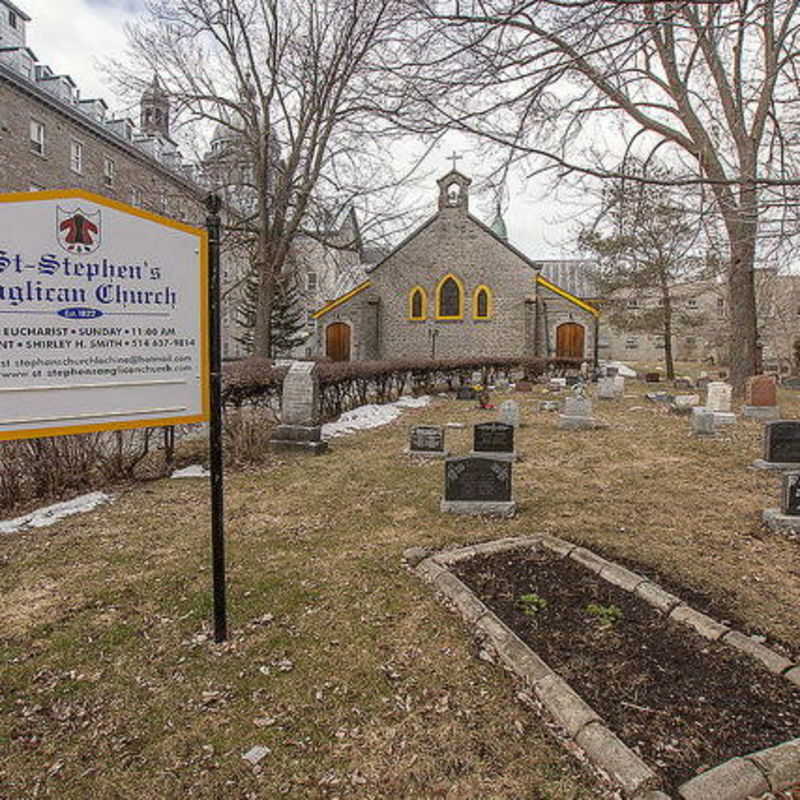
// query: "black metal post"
[[213, 204]]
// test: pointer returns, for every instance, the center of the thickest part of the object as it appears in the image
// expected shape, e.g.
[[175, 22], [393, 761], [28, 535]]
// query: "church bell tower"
[[154, 110]]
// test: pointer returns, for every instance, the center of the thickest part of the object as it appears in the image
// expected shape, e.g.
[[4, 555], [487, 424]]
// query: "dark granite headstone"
[[791, 383], [782, 442], [477, 479], [790, 502], [493, 437], [652, 377], [573, 379], [466, 393], [523, 386], [427, 439]]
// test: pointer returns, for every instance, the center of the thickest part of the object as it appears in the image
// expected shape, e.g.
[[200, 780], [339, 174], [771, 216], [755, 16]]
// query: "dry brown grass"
[[360, 684]]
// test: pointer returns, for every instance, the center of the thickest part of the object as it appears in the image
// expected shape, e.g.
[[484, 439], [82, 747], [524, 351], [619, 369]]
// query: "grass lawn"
[[340, 662]]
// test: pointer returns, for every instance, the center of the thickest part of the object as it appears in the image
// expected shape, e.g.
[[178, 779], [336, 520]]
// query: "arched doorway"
[[337, 341], [569, 340]]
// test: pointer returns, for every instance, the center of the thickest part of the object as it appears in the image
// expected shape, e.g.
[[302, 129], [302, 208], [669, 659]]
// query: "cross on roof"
[[455, 157]]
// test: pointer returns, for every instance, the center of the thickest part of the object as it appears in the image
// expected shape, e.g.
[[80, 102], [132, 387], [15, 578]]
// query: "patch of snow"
[[194, 471], [42, 517], [371, 416], [622, 369]]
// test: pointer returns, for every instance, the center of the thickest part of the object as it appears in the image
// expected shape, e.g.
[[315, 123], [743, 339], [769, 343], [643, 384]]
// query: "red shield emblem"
[[78, 232]]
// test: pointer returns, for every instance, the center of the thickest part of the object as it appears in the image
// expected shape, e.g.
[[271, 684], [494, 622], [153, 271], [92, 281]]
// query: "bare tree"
[[287, 90], [646, 243], [573, 85]]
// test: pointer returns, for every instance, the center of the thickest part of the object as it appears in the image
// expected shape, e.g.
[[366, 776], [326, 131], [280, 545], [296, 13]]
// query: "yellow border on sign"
[[205, 388]]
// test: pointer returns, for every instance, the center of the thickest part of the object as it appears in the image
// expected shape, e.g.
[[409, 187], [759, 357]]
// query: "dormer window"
[[12, 19]]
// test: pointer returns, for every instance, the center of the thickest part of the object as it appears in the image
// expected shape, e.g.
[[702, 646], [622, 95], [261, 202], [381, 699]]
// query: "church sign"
[[103, 319]]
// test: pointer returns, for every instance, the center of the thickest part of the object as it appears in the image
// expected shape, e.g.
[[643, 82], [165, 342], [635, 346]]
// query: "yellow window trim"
[[460, 285], [489, 302], [339, 300], [424, 315], [566, 295]]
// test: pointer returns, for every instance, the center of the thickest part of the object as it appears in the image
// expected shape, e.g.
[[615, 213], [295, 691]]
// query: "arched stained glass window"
[[417, 303], [449, 299], [482, 303]]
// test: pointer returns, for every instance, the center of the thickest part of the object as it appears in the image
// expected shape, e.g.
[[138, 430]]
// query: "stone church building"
[[456, 287]]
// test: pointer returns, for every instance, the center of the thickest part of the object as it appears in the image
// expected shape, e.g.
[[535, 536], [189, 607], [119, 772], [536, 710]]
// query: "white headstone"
[[619, 384], [719, 396], [702, 421], [509, 413], [605, 388]]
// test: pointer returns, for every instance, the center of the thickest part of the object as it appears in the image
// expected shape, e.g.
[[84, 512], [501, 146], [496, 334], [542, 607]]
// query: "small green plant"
[[607, 616], [532, 604]]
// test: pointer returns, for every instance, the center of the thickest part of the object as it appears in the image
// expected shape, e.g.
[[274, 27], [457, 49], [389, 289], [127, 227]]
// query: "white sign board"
[[103, 321]]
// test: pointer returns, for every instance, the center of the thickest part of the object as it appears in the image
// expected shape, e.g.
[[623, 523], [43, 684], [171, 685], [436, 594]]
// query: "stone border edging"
[[770, 770]]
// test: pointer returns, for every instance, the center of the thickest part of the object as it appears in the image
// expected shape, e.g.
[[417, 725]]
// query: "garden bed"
[[684, 703]]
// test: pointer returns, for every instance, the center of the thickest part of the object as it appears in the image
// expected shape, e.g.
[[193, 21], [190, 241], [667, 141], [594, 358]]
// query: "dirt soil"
[[683, 703]]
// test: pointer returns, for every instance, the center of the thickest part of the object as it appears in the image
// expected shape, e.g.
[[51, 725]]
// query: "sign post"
[[215, 426]]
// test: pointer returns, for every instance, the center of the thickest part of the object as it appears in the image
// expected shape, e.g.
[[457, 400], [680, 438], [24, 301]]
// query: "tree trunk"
[[667, 303], [742, 355]]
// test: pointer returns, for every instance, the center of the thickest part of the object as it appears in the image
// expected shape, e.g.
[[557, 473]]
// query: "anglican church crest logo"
[[78, 232]]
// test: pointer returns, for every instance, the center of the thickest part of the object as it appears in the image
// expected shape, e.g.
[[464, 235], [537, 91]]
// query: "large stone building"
[[456, 287], [52, 138]]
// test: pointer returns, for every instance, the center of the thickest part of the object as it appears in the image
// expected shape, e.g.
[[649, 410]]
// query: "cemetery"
[[633, 562]]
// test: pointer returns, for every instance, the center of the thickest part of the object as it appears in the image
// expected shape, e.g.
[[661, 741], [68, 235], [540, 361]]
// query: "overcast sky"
[[69, 35]]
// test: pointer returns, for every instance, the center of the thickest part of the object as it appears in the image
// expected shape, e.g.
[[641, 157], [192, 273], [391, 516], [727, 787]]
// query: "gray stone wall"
[[453, 243]]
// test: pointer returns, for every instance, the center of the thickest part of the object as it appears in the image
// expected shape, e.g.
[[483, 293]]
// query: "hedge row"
[[347, 384]]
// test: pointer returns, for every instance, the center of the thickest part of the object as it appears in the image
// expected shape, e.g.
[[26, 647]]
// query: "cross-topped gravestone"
[[509, 413], [477, 485]]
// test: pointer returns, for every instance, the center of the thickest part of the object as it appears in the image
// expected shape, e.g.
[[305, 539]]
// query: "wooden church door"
[[569, 340], [337, 341]]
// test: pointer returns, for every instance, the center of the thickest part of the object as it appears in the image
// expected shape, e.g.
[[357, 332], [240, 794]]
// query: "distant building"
[[51, 137]]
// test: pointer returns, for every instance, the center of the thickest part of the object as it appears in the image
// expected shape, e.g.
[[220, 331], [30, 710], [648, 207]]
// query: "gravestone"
[[781, 445], [427, 440], [559, 382], [702, 382], [787, 517], [571, 380], [660, 397], [523, 386], [619, 385], [761, 398], [502, 385], [299, 430], [585, 370], [476, 379], [466, 393], [605, 389], [790, 500], [577, 413], [611, 372], [718, 400], [652, 377], [549, 405], [702, 422], [791, 383], [495, 439], [683, 403], [509, 413], [683, 383], [477, 485], [718, 396]]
